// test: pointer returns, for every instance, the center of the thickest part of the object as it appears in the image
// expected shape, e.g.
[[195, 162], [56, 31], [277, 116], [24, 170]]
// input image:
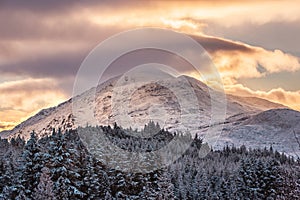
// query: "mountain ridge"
[[239, 111], [47, 111]]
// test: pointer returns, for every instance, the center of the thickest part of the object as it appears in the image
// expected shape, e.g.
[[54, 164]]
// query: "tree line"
[[60, 166]]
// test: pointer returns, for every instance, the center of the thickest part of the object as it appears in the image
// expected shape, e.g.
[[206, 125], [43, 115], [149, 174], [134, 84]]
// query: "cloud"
[[65, 5], [6, 125], [65, 26], [213, 44], [44, 43], [278, 95], [19, 94], [277, 34], [51, 40], [277, 61], [239, 13], [233, 59], [20, 99], [45, 62], [238, 60]]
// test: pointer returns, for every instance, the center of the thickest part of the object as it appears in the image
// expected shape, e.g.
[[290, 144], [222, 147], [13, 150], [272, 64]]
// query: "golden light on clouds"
[[194, 14], [41, 50], [278, 95], [245, 64], [23, 98]]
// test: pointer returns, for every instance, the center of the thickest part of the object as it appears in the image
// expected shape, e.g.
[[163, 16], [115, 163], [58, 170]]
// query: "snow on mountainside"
[[278, 128], [246, 119], [254, 102]]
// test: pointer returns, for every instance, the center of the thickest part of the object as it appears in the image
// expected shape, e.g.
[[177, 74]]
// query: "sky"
[[253, 44]]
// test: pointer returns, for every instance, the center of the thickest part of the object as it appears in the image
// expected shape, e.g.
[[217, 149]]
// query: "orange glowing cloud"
[[20, 99], [279, 95], [49, 41], [253, 62]]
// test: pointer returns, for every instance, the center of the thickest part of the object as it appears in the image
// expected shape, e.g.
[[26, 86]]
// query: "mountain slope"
[[154, 101], [278, 128]]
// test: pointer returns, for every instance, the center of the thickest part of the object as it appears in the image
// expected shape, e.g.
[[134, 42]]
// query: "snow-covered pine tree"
[[165, 186], [22, 196], [4, 179], [62, 189], [30, 169], [108, 196], [259, 179], [224, 190], [245, 179], [203, 184], [214, 185], [64, 168], [44, 190], [7, 179], [272, 180], [96, 180]]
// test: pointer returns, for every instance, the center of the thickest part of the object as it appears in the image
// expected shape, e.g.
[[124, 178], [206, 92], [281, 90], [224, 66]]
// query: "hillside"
[[245, 115]]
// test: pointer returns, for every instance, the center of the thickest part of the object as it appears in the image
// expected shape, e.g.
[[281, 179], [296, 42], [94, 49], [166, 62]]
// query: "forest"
[[64, 166]]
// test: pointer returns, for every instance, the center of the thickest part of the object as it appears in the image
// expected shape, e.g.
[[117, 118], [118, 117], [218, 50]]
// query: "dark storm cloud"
[[36, 4]]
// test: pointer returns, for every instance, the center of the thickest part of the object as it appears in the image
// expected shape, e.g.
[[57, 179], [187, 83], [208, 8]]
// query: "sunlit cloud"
[[255, 62], [192, 16], [42, 44], [22, 98], [278, 95]]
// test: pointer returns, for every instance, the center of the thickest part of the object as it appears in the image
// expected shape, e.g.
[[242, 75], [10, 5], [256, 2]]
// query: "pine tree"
[[33, 163], [231, 173], [7, 180], [273, 182], [44, 190], [62, 189], [64, 166], [96, 180], [3, 178], [108, 196], [260, 179], [166, 188], [244, 179], [10, 178], [22, 196]]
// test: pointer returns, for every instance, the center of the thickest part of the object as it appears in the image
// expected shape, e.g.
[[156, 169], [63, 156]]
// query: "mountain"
[[278, 128], [249, 120]]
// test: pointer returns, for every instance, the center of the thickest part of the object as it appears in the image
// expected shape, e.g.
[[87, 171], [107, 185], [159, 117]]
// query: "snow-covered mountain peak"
[[152, 101]]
